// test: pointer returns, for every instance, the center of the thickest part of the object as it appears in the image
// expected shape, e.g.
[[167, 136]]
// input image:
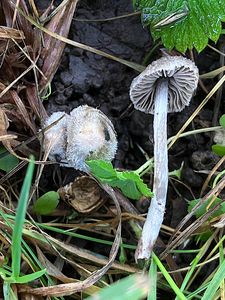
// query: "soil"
[[87, 78]]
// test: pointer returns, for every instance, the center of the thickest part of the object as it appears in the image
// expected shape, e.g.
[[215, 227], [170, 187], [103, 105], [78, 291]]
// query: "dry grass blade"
[[196, 112], [15, 57], [204, 187], [109, 19], [195, 225], [35, 102], [7, 137], [56, 273], [84, 254], [132, 65], [23, 111], [71, 288], [53, 48], [188, 231], [213, 73], [12, 17], [15, 81], [10, 33], [28, 57], [12, 172], [4, 124]]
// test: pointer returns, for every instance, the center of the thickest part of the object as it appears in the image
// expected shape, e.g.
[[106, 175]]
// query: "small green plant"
[[183, 24], [205, 206], [14, 276], [129, 182], [46, 204]]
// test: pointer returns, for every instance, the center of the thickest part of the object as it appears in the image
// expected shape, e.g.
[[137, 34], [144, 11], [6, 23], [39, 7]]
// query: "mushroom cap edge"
[[182, 76]]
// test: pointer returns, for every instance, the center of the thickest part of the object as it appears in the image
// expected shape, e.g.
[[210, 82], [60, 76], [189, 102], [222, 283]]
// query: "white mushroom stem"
[[157, 207]]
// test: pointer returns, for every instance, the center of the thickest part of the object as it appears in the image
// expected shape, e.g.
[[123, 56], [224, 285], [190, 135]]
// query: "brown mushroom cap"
[[182, 76]]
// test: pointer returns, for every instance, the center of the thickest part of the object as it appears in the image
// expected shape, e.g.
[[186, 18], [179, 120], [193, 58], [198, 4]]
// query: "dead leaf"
[[84, 194]]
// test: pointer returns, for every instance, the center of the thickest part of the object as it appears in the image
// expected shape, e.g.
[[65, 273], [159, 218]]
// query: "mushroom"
[[166, 85], [84, 134]]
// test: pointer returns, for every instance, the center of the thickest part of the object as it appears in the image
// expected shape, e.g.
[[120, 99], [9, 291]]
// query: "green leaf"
[[19, 221], [46, 204], [183, 24], [203, 208], [222, 121], [102, 169], [7, 161], [218, 149], [128, 182]]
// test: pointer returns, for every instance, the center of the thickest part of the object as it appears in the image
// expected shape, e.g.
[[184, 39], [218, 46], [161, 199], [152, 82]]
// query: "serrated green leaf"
[[222, 121], [218, 149], [128, 185], [46, 204], [183, 24], [7, 162], [102, 169], [128, 182]]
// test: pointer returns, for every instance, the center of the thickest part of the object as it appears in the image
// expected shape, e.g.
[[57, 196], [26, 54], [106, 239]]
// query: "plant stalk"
[[156, 210]]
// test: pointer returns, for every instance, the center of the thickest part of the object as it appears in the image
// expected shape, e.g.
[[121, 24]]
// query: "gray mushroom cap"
[[182, 76]]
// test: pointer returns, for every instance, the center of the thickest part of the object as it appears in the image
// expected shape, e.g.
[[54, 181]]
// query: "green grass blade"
[[215, 282], [30, 277], [132, 287], [152, 295], [19, 221], [169, 279], [82, 236]]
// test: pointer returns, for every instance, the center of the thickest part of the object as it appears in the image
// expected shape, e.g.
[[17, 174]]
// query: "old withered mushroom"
[[166, 85], [84, 134]]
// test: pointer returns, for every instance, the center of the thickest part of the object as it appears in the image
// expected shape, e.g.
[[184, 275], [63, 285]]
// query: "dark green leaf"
[[128, 182], [183, 24], [218, 149], [203, 208], [8, 161], [222, 121], [46, 204]]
